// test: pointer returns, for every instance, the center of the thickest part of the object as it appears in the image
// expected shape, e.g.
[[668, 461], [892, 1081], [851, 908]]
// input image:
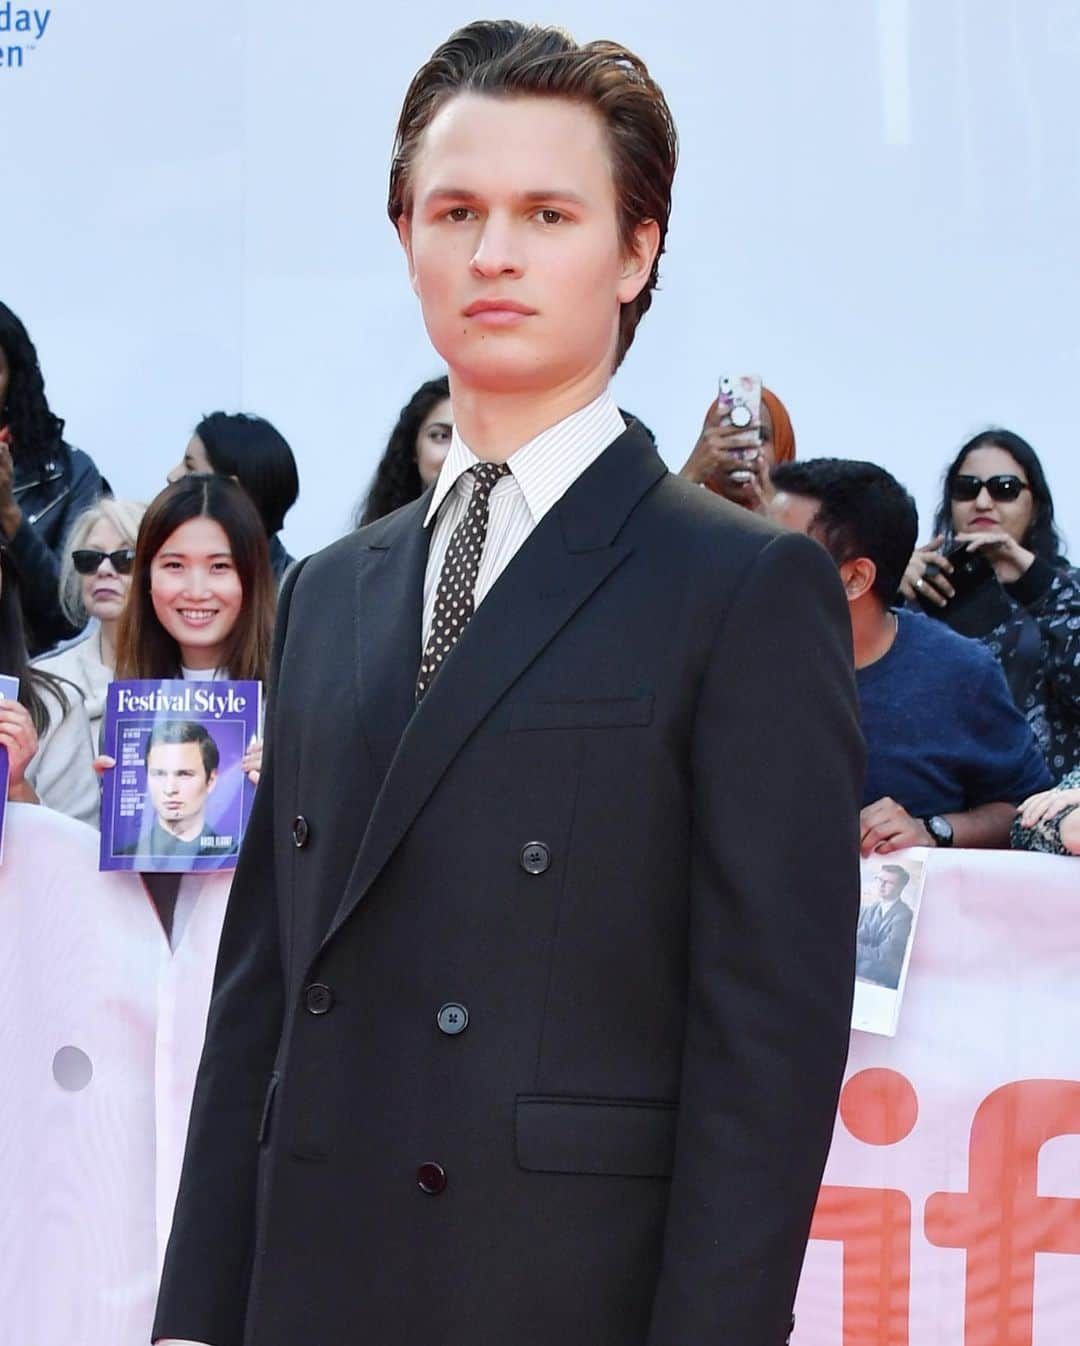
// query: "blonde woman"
[[95, 576]]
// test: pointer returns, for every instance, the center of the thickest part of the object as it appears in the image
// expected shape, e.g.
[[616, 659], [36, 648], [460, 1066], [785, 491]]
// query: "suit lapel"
[[568, 556], [389, 600]]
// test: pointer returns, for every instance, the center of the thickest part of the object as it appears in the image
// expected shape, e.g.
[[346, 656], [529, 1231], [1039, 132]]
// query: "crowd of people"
[[967, 647]]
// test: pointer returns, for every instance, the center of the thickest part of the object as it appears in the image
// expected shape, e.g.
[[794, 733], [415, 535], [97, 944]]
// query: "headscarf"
[[783, 436]]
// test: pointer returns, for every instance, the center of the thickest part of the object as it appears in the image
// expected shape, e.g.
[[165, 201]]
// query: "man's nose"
[[498, 252], [175, 473]]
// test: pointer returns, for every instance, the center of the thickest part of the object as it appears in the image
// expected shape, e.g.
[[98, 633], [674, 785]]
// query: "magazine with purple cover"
[[178, 799], [9, 691]]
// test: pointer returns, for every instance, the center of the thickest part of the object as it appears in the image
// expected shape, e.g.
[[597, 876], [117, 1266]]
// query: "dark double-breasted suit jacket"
[[618, 839]]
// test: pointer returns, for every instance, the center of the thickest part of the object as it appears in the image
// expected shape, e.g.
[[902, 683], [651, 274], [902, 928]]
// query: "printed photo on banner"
[[178, 799], [9, 691], [891, 894]]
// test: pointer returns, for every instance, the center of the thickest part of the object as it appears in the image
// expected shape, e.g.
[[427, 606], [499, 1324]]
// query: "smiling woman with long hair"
[[202, 594]]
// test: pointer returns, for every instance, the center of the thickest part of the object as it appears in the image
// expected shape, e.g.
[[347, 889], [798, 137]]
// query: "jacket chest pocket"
[[598, 713]]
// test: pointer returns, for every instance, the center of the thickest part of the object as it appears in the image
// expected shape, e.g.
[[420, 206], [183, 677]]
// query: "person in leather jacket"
[[45, 484]]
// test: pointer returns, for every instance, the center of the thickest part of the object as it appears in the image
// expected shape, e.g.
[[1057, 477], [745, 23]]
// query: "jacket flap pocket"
[[612, 1137], [607, 713]]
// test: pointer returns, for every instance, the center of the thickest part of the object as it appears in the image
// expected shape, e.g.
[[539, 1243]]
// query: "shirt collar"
[[547, 466]]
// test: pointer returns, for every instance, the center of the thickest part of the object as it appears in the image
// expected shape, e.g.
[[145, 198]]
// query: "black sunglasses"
[[1005, 486], [87, 562]]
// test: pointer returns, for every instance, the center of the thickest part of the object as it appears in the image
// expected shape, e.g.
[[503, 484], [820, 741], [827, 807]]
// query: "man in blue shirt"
[[948, 754]]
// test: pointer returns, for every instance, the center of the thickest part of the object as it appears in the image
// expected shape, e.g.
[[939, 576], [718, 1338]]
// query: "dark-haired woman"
[[254, 453], [996, 501], [414, 454], [46, 731], [201, 603], [45, 485]]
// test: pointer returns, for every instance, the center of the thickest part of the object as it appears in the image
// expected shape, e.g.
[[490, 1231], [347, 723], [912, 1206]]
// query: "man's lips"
[[497, 311]]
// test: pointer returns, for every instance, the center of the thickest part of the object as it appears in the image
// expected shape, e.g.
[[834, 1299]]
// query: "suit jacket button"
[[300, 831], [431, 1178], [318, 998], [452, 1019], [535, 857]]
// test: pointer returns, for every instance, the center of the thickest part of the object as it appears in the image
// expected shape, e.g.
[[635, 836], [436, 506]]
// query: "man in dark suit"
[[532, 1035], [881, 939]]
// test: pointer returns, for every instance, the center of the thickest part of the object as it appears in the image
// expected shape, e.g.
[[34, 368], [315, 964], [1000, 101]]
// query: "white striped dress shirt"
[[541, 472]]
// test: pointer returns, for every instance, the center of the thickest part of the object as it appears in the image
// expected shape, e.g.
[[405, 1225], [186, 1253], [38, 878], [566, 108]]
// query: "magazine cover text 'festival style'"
[[179, 797]]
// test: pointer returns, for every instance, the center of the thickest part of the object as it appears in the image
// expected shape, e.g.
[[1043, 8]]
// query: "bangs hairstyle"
[[144, 649], [506, 59], [125, 516]]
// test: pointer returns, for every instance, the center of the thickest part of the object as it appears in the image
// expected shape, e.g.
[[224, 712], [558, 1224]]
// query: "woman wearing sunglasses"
[[95, 576], [996, 502]]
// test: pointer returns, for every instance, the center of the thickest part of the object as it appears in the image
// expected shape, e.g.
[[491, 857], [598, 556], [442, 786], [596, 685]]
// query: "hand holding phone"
[[740, 403]]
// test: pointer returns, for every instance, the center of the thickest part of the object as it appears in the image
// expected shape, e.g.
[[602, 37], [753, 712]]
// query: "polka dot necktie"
[[454, 598]]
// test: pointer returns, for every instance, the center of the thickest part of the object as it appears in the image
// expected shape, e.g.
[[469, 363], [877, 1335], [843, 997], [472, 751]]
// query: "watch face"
[[940, 829]]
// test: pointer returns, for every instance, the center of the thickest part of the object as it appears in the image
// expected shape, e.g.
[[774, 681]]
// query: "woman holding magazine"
[[202, 595], [200, 607]]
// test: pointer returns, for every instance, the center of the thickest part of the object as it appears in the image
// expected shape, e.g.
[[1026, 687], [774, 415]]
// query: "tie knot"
[[487, 474]]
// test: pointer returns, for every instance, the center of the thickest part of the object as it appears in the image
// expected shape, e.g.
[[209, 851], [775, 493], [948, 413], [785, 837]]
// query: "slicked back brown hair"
[[506, 59]]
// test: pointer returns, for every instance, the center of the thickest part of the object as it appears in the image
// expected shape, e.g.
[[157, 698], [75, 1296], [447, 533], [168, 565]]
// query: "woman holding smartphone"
[[735, 460], [996, 503]]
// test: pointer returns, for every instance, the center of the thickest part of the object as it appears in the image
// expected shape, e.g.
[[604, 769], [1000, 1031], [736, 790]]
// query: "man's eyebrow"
[[530, 198]]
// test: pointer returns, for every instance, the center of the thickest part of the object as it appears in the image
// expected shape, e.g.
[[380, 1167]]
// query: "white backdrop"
[[878, 207]]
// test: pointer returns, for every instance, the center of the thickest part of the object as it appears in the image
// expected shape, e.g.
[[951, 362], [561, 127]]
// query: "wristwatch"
[[940, 829]]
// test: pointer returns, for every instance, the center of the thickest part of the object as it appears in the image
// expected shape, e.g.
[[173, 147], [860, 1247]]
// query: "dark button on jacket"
[[318, 998], [300, 831], [535, 857], [452, 1019], [431, 1178]]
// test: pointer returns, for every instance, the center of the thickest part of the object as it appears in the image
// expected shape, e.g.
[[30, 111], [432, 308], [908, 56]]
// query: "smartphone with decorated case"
[[740, 394]]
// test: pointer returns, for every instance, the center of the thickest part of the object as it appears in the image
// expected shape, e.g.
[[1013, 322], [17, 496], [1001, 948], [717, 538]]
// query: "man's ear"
[[211, 781], [638, 262], [858, 576], [404, 229]]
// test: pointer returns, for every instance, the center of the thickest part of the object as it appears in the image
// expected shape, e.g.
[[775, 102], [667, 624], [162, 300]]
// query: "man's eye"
[[549, 216], [458, 214]]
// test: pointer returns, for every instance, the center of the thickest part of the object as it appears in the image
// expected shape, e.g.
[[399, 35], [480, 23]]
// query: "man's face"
[[884, 887], [178, 785], [513, 243]]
